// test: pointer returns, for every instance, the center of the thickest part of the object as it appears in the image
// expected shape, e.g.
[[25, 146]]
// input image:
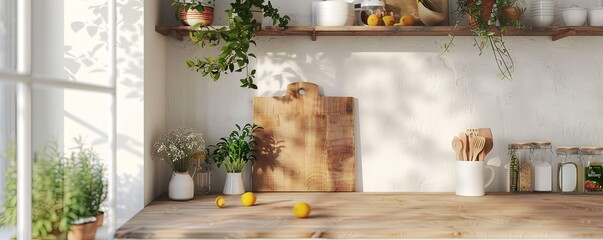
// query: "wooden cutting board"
[[307, 143]]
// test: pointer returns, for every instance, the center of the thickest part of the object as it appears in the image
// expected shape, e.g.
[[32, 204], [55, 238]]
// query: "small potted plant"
[[233, 152], [85, 189], [509, 13], [233, 41], [177, 148], [483, 25], [192, 12]]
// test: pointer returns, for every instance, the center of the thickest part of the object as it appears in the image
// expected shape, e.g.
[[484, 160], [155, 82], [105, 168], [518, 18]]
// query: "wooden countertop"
[[374, 215]]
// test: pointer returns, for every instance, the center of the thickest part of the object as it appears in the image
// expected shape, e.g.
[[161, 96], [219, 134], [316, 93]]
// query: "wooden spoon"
[[457, 145], [477, 146], [465, 149], [486, 133]]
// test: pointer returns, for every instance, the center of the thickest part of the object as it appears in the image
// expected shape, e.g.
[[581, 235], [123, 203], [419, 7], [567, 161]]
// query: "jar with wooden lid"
[[592, 158], [520, 167], [201, 174], [541, 155], [568, 170]]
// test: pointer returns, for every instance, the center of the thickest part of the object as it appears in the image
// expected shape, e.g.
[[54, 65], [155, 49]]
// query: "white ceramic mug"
[[470, 178]]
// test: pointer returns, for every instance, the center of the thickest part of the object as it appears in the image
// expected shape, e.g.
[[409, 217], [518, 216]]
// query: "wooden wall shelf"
[[556, 32]]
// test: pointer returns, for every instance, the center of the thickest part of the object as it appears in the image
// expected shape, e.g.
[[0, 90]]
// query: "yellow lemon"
[[302, 210], [373, 20], [248, 199], [389, 20], [220, 202], [408, 20]]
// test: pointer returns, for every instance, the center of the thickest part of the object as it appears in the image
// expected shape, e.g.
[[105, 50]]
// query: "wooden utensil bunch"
[[473, 144]]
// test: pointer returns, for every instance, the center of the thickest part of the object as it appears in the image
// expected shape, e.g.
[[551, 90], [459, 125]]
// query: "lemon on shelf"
[[389, 20], [373, 20], [408, 20]]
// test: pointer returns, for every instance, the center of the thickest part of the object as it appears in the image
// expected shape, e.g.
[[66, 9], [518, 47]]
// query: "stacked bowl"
[[543, 12], [333, 13]]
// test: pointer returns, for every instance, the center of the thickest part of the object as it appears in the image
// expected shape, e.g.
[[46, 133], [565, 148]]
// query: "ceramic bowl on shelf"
[[333, 13], [595, 16], [542, 21], [574, 16]]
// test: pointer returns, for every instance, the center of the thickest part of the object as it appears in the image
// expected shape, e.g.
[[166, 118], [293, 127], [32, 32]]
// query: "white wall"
[[411, 98], [156, 174]]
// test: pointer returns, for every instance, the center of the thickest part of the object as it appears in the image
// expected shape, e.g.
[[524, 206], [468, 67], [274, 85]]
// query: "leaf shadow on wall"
[[396, 89]]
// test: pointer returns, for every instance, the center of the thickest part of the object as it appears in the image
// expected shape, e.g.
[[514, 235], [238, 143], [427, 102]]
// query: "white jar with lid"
[[541, 156], [368, 7], [568, 170]]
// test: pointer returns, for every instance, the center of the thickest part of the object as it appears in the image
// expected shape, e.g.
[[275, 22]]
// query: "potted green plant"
[[510, 12], [85, 189], [483, 25], [191, 12], [233, 41], [63, 200], [233, 152], [177, 148]]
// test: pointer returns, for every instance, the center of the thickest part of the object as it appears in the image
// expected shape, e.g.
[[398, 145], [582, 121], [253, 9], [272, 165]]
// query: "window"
[[69, 92]]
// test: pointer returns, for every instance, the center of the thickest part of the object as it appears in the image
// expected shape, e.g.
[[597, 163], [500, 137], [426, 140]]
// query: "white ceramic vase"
[[234, 184], [181, 186]]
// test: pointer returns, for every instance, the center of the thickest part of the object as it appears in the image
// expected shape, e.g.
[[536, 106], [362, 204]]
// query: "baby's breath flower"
[[177, 146]]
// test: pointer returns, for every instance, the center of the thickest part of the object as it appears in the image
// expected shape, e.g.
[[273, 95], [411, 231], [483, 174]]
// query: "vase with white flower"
[[177, 147]]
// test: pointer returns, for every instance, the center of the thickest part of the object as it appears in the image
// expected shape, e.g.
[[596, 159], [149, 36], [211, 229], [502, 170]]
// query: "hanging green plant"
[[479, 14], [234, 41]]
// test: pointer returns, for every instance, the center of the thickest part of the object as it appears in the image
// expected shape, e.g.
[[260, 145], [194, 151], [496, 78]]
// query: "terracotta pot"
[[100, 219], [83, 231], [509, 14], [192, 16], [488, 5]]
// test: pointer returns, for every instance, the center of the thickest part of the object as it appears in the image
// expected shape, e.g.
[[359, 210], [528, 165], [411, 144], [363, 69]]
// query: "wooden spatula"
[[477, 146], [486, 133]]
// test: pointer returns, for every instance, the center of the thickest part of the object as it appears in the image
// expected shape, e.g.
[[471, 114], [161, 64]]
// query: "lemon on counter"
[[302, 210], [248, 199], [220, 202]]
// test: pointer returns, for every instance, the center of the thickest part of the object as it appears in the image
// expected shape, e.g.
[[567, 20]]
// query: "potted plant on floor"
[[192, 12], [233, 41], [483, 25], [177, 148], [233, 152]]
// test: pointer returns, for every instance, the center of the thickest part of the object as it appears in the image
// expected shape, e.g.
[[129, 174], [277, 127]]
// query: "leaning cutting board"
[[307, 141]]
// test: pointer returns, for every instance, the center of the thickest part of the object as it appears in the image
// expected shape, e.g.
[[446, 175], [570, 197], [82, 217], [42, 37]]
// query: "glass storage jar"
[[520, 167], [541, 156], [592, 158], [368, 7], [201, 174], [568, 170]]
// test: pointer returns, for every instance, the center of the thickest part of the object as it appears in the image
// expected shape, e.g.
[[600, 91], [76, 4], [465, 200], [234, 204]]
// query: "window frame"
[[25, 81]]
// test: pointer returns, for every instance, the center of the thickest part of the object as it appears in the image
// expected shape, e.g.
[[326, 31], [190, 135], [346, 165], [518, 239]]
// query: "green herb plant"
[[234, 151], [64, 190], [233, 41]]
